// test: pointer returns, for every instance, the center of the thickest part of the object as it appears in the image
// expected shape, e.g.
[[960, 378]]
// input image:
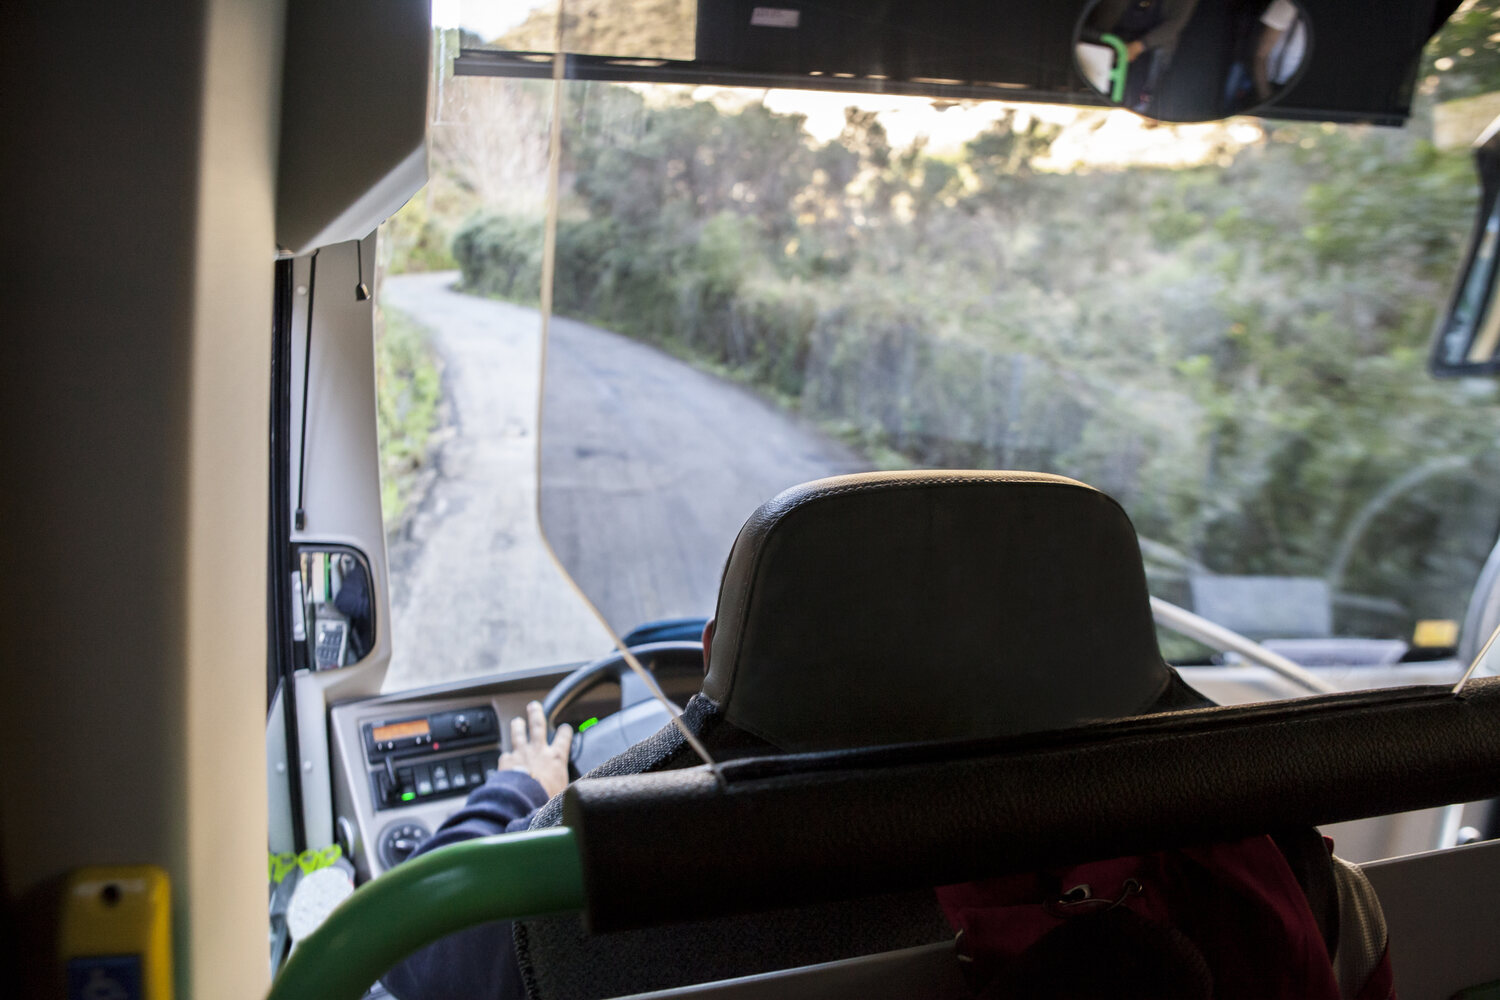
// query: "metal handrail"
[[1210, 633]]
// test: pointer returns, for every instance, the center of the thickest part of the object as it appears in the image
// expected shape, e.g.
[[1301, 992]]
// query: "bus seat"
[[879, 609]]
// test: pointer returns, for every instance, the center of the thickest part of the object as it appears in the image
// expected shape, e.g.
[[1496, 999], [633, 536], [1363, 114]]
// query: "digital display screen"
[[399, 730]]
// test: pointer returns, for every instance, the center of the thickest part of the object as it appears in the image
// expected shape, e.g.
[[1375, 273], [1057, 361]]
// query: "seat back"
[[876, 609], [917, 606]]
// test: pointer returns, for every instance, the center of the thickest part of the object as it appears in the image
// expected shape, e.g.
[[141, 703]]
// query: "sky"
[[1123, 138], [486, 18]]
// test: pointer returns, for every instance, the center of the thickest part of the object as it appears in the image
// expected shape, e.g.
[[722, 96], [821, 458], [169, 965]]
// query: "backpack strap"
[[1307, 855]]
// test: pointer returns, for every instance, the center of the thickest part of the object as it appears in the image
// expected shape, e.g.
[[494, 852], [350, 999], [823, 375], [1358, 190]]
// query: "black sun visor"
[[1361, 62]]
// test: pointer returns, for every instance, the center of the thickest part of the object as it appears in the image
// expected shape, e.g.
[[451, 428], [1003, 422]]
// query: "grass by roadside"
[[408, 401]]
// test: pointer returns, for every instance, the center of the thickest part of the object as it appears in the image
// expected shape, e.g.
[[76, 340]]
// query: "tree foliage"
[[1464, 58], [1235, 350]]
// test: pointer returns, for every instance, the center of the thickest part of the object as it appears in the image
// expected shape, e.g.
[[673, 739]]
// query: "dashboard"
[[404, 762]]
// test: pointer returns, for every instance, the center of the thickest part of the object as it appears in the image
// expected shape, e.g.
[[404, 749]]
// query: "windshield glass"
[[1223, 326]]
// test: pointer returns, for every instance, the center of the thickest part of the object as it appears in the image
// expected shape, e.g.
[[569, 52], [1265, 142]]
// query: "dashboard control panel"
[[403, 762], [425, 734], [407, 782], [414, 758]]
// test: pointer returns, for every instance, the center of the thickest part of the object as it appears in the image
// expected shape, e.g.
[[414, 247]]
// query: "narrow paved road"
[[649, 468]]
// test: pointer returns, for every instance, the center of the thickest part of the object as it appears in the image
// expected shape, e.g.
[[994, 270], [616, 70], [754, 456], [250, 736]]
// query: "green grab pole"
[[462, 885], [1122, 67]]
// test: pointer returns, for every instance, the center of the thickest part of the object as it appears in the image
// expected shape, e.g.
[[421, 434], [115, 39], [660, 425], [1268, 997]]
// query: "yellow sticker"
[[115, 933], [310, 860], [1435, 633], [279, 865]]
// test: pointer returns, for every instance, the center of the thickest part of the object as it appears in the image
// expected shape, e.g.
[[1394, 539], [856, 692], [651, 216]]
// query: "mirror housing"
[[1196, 61], [333, 607], [1467, 340]]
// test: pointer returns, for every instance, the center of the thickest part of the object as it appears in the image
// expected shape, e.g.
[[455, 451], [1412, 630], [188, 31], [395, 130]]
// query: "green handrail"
[[1122, 67], [425, 898]]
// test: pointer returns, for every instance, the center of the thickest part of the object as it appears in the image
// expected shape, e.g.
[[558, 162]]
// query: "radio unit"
[[424, 734]]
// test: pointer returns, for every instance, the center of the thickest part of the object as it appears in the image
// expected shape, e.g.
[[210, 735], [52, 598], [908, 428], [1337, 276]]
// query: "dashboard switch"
[[388, 792], [474, 770]]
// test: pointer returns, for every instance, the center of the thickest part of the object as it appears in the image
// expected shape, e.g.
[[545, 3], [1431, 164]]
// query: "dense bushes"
[[501, 256], [408, 398]]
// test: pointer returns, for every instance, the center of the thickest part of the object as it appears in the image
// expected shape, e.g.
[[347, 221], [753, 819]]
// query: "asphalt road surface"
[[649, 467]]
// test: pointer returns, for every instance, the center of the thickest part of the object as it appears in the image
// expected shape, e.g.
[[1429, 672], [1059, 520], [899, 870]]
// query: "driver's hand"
[[530, 752]]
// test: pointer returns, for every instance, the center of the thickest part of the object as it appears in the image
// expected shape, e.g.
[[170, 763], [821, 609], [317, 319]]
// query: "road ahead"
[[649, 468]]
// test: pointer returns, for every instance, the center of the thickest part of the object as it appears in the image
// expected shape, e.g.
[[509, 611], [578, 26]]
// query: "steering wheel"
[[639, 715]]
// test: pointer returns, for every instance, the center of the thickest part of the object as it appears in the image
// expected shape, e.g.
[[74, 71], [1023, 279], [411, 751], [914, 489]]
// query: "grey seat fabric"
[[880, 609]]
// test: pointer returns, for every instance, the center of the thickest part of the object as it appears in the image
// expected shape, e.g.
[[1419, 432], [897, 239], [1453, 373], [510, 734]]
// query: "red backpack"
[[1257, 919]]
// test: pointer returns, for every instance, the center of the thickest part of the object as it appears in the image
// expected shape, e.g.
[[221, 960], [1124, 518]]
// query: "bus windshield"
[[1224, 326]]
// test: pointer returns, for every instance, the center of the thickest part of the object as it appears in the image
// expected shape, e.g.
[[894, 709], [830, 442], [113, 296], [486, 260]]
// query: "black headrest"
[[913, 606]]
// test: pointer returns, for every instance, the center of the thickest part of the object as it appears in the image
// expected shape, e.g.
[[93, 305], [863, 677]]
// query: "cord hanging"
[[361, 290], [300, 521]]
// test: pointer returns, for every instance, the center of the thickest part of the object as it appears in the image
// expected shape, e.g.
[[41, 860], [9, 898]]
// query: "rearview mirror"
[[334, 620], [1468, 336], [1192, 60]]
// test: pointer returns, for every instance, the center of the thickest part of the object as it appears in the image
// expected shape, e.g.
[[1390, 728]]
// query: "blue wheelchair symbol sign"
[[105, 977]]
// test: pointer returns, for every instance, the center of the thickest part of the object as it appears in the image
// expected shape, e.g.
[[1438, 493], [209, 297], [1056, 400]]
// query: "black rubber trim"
[[791, 831], [281, 648]]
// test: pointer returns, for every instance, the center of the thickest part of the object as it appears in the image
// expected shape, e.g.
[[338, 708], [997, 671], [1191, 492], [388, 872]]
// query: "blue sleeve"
[[478, 962], [503, 804]]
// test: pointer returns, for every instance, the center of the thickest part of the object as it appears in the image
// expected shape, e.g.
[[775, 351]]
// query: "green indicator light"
[[408, 796], [587, 723]]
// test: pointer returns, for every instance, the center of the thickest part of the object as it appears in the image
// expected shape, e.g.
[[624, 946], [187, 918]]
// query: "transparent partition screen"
[[1221, 325]]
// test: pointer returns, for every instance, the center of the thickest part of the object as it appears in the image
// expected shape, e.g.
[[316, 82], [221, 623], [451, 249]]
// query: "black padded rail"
[[674, 846]]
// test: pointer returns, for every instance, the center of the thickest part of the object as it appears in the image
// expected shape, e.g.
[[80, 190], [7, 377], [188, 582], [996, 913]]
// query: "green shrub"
[[501, 256], [413, 240], [408, 394]]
